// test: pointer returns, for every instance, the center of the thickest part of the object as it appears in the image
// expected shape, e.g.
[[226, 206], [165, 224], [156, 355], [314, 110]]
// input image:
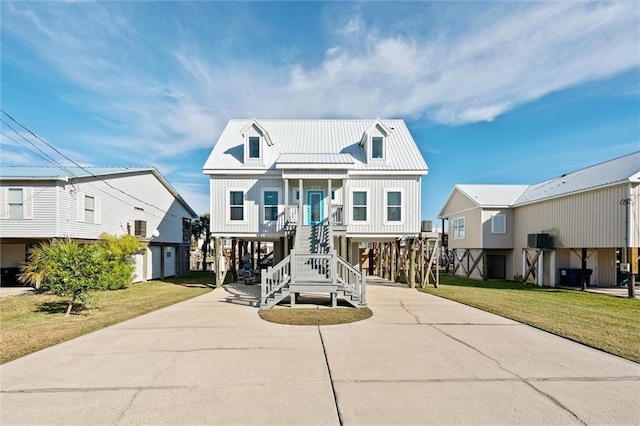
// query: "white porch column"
[[328, 199], [286, 217], [540, 266], [300, 204]]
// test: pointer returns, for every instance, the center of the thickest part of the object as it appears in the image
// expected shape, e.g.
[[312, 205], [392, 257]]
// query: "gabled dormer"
[[256, 140], [374, 141]]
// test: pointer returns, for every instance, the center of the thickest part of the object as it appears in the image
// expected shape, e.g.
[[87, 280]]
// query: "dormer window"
[[254, 147], [256, 141], [377, 147]]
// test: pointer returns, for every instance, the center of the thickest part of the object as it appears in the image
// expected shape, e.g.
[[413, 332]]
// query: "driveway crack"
[[333, 389]]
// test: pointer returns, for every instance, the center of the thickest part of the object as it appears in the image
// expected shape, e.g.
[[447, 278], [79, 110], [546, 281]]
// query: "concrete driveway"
[[419, 360]]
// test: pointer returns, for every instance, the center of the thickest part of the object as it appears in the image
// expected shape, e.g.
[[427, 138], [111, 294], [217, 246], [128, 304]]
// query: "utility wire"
[[78, 165]]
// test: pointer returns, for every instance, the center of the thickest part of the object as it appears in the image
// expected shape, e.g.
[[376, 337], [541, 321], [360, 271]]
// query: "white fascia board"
[[447, 216], [310, 166], [236, 172], [389, 173]]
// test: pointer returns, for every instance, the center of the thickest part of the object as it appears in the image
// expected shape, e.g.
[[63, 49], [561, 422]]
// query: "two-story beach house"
[[317, 189], [546, 232], [80, 203]]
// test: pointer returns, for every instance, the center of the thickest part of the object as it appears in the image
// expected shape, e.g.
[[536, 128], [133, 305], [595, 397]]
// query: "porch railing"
[[337, 217], [351, 278], [275, 278], [312, 267]]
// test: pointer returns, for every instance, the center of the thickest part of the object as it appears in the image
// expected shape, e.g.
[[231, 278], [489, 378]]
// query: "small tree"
[[116, 253], [64, 268]]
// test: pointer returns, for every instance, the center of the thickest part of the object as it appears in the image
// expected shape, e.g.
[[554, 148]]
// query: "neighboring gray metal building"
[[595, 208]]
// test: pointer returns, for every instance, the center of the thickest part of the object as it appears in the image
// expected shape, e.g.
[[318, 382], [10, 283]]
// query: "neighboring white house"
[[344, 181], [543, 231], [42, 203]]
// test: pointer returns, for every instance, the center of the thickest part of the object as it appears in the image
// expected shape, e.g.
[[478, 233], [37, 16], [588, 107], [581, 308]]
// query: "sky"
[[492, 92]]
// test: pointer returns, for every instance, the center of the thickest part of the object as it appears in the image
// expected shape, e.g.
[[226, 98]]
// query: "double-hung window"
[[457, 228], [359, 203], [89, 209], [270, 205], [394, 206], [236, 205], [499, 224], [15, 201]]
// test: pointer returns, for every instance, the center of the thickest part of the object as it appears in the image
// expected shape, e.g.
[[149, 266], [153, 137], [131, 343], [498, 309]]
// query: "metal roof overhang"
[[314, 174]]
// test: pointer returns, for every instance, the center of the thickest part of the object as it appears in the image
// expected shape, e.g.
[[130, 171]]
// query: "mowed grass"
[[310, 316], [609, 323], [32, 322]]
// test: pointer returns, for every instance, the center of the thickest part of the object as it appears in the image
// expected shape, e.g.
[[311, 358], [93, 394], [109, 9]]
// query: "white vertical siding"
[[377, 211]]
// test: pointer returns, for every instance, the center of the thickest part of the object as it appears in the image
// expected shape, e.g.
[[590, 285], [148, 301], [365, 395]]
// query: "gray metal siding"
[[588, 219], [497, 241]]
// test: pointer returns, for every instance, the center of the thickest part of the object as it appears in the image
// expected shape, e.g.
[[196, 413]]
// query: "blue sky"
[[493, 92]]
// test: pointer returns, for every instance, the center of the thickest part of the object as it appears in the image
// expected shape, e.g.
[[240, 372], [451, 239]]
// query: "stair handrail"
[[353, 279], [275, 278]]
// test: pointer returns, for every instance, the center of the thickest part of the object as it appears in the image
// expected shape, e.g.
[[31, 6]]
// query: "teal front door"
[[315, 203]]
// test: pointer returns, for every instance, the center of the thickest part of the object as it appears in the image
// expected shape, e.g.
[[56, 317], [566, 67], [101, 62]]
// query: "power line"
[[78, 165]]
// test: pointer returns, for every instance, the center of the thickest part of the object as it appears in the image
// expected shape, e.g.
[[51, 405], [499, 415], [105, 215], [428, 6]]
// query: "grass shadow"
[[60, 307]]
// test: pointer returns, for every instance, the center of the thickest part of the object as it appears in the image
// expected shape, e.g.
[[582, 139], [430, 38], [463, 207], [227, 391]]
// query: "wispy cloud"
[[163, 97]]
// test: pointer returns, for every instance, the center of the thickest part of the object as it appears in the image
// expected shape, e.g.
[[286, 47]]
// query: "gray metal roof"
[[53, 173], [317, 137], [48, 173], [618, 170], [493, 195]]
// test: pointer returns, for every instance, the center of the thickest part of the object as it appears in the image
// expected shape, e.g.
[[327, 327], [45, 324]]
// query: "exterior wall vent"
[[540, 241], [138, 228]]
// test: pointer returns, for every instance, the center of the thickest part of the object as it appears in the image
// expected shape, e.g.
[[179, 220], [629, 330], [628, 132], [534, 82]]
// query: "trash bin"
[[571, 277]]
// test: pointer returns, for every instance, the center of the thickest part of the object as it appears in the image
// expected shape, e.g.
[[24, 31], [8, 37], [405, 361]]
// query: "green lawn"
[[32, 322], [609, 323]]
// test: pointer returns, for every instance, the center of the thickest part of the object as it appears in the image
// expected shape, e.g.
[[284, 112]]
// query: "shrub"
[[65, 269], [117, 255]]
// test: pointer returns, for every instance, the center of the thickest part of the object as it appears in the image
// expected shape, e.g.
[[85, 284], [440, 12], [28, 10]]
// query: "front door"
[[315, 203]]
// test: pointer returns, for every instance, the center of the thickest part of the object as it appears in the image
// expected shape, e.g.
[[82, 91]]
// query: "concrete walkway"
[[419, 360]]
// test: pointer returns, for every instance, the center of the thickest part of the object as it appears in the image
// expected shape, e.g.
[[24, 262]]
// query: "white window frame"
[[494, 226], [295, 195], [383, 147], [455, 228], [386, 206], [352, 206], [249, 157], [82, 206], [86, 209], [21, 204], [263, 206], [228, 206]]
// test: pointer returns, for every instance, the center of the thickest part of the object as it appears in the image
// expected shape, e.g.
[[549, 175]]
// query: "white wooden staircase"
[[313, 267]]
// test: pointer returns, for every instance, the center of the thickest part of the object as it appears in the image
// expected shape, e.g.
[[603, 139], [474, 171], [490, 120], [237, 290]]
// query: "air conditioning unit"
[[426, 226], [540, 241], [138, 228]]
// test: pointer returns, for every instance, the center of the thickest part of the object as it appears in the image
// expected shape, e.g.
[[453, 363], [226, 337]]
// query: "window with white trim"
[[15, 203], [254, 147], [270, 205], [457, 228], [236, 206], [89, 209], [499, 224], [377, 147], [394, 205], [359, 206]]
